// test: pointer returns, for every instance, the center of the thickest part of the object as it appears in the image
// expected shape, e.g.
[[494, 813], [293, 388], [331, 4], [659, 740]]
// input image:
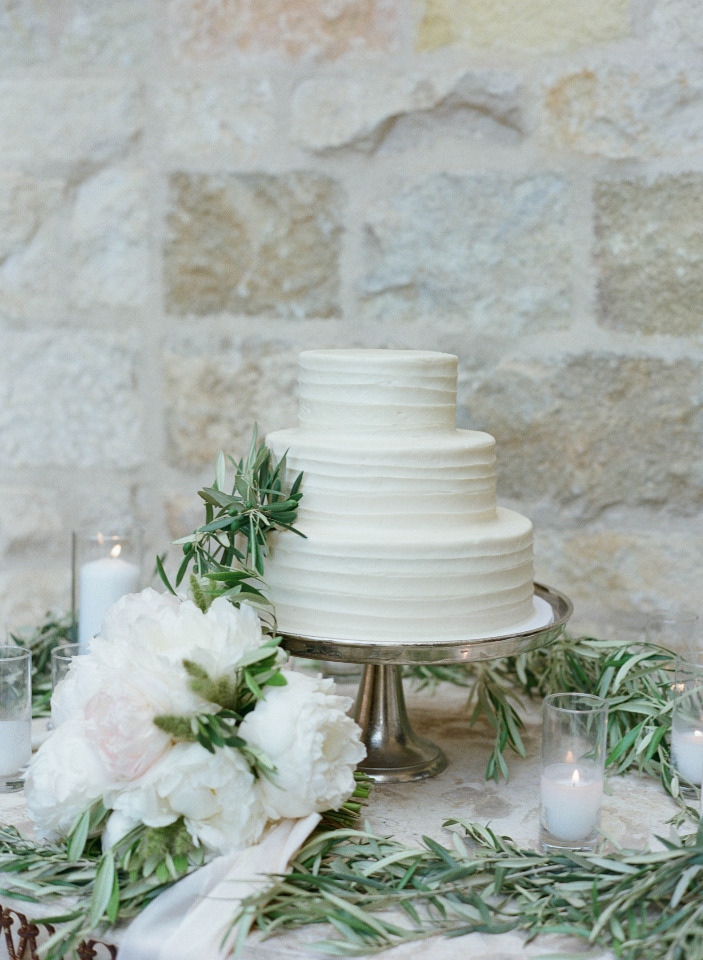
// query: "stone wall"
[[192, 191]]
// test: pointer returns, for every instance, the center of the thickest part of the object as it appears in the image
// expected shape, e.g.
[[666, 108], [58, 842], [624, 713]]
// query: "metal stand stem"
[[395, 754]]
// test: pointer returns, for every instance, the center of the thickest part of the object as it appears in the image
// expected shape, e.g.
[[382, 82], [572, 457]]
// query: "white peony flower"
[[159, 625], [119, 716], [149, 614], [216, 794], [138, 674], [119, 722], [304, 729], [84, 678], [64, 777], [108, 746]]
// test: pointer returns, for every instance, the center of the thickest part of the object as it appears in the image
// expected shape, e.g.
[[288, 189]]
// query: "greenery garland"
[[377, 893], [634, 678], [644, 905]]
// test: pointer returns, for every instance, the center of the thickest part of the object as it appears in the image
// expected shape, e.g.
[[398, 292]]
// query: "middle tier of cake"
[[403, 541], [412, 483]]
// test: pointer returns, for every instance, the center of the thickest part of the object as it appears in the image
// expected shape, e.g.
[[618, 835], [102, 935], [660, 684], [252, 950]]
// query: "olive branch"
[[634, 678], [227, 553], [377, 893]]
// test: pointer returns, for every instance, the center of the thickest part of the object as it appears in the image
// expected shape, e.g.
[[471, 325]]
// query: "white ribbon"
[[192, 919]]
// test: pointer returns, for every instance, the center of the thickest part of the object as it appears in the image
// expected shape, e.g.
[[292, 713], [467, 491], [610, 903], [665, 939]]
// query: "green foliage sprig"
[[90, 889], [236, 695], [377, 893], [634, 678], [226, 554]]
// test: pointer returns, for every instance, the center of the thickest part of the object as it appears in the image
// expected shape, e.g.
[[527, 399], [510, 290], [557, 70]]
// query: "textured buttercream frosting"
[[403, 538]]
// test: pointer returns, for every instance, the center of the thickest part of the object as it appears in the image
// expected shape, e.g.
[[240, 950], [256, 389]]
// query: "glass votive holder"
[[15, 715], [573, 761], [687, 723], [676, 630], [106, 566], [61, 660]]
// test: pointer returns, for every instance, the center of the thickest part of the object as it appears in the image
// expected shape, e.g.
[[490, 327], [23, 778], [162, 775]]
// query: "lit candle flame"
[[575, 777], [697, 733], [116, 550]]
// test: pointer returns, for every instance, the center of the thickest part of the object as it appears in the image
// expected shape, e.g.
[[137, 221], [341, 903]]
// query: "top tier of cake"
[[377, 391]]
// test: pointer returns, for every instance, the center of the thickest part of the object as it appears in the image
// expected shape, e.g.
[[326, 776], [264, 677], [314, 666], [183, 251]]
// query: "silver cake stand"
[[395, 753]]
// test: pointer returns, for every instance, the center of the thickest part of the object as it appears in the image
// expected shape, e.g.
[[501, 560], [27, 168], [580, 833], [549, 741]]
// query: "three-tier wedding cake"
[[403, 541]]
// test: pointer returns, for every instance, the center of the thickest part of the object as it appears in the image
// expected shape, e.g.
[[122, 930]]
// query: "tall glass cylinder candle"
[[687, 722], [15, 715], [106, 566], [61, 659], [573, 758]]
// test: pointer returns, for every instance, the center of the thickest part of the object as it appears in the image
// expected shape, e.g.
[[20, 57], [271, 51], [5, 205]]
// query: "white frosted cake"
[[404, 540]]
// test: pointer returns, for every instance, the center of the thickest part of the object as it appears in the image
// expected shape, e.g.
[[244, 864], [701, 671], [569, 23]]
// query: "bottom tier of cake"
[[473, 582]]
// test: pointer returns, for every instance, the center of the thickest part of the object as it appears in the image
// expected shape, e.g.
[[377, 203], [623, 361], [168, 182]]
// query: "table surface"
[[635, 810]]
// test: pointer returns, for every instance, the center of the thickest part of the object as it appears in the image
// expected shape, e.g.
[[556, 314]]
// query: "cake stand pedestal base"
[[394, 752]]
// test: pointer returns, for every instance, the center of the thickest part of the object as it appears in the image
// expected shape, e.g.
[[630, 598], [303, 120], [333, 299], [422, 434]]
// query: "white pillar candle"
[[571, 800], [15, 746], [102, 583], [687, 753]]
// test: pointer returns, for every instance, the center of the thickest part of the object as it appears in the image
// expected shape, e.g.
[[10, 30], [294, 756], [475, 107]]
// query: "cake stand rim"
[[437, 651]]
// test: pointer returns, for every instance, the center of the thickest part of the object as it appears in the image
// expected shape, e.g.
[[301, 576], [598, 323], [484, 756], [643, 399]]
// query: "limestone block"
[[67, 120], [487, 251], [32, 251], [67, 401], [28, 594], [253, 244], [329, 29], [235, 118], [30, 519], [24, 32], [110, 33], [217, 390], [541, 25], [628, 572], [621, 112], [674, 24], [109, 238], [183, 515], [366, 111], [649, 254], [594, 432]]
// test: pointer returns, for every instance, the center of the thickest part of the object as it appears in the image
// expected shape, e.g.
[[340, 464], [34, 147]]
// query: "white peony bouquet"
[[184, 725]]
